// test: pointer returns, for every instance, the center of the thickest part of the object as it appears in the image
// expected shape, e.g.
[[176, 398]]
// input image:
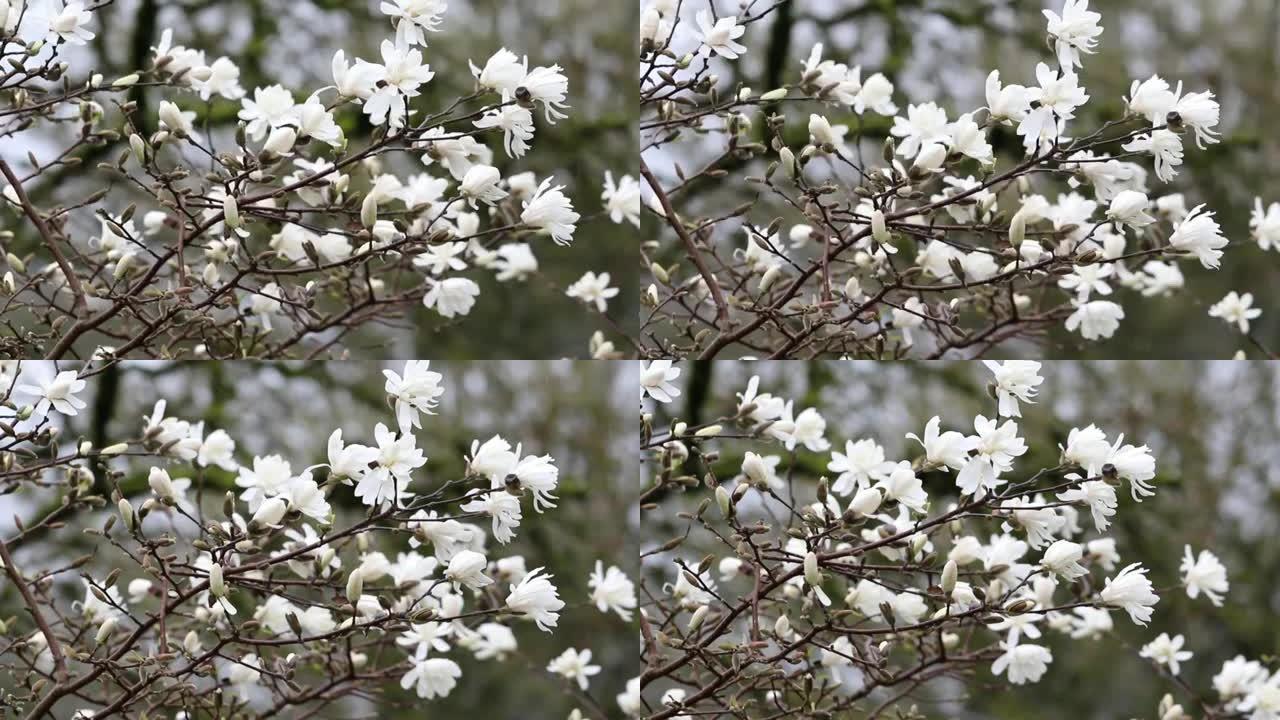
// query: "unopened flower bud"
[[723, 500], [230, 212], [949, 572], [355, 586], [782, 627], [698, 616], [879, 230], [107, 627], [126, 514], [216, 584], [811, 573]]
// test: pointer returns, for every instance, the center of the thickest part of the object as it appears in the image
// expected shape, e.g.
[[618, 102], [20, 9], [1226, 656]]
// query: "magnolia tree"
[[281, 238], [932, 244], [858, 592], [274, 604]]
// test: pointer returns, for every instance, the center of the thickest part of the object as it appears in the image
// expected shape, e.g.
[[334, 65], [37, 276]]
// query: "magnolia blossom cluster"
[[253, 608], [941, 243], [288, 231], [823, 595]]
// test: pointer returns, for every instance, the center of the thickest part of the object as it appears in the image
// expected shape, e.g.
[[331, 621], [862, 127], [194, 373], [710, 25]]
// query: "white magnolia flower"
[[515, 261], [58, 392], [655, 381], [1096, 319], [862, 462], [1167, 651], [1131, 591], [574, 665], [503, 71], [432, 677], [549, 86], [592, 289], [176, 120], [1200, 235], [1236, 309], [452, 296], [1075, 31], [969, 139], [1016, 380], [612, 591], [1129, 207], [551, 211], [622, 200], [901, 484], [1165, 146], [719, 37], [516, 123], [417, 391], [398, 78], [1099, 496], [414, 18], [1264, 226], [944, 449], [69, 23], [467, 568], [271, 107], [1025, 663], [536, 598], [925, 124], [1063, 558], [1204, 574]]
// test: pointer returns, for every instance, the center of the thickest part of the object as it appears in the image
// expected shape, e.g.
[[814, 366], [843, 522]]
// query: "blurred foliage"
[[292, 41], [569, 410], [1212, 427], [942, 50]]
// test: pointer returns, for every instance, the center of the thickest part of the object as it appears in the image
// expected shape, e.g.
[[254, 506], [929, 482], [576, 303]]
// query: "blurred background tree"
[[569, 410], [1212, 428], [943, 50], [292, 41]]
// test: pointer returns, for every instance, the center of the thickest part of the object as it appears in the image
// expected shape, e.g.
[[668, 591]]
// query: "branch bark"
[[717, 296], [73, 282], [55, 648]]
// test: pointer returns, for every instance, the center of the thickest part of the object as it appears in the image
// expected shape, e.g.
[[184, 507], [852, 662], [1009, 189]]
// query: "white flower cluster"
[[1062, 252], [290, 184], [400, 592], [852, 589]]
